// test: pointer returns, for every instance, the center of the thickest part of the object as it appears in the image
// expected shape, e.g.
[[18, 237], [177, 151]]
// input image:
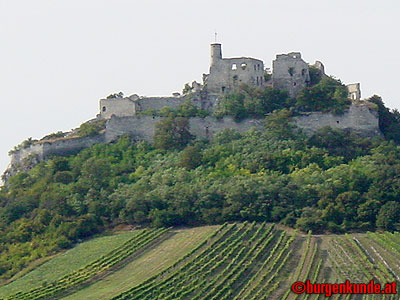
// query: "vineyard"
[[228, 262]]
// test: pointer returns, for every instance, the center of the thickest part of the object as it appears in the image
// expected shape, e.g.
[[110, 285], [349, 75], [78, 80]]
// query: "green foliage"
[[187, 110], [389, 120], [91, 128], [328, 95], [25, 144], [172, 133], [190, 157], [341, 143], [389, 216], [116, 95], [252, 102], [55, 135], [267, 76], [280, 123], [315, 75], [186, 89], [324, 94], [333, 181]]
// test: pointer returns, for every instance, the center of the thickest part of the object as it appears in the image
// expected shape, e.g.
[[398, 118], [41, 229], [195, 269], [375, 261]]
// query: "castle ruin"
[[289, 73], [123, 114]]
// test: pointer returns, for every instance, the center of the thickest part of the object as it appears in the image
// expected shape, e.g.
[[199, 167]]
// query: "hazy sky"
[[58, 58]]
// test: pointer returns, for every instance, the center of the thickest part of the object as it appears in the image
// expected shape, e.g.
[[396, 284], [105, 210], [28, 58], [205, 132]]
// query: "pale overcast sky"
[[58, 58]]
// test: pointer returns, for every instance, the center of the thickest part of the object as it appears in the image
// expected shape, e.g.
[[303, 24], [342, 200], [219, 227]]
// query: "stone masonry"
[[290, 73]]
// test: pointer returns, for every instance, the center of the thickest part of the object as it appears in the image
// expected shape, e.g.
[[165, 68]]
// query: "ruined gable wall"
[[290, 73], [121, 107], [354, 91], [228, 73]]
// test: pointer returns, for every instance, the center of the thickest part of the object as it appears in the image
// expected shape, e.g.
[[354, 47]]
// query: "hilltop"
[[315, 158], [236, 94]]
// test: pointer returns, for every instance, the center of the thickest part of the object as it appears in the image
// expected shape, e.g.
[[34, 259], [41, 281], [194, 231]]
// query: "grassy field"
[[250, 261], [66, 262]]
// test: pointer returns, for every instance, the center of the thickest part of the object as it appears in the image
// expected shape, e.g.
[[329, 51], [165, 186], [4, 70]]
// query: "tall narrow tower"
[[216, 53]]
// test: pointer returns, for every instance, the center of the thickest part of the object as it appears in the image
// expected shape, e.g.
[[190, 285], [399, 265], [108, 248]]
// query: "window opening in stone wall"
[[223, 89], [303, 72], [291, 71], [234, 67], [243, 66], [294, 83], [257, 80], [103, 109], [255, 68]]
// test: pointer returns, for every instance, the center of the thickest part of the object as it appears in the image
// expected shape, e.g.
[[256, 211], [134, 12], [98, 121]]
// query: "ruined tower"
[[227, 73], [290, 73]]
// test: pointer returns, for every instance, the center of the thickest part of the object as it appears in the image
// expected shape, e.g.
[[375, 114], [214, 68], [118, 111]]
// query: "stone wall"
[[228, 73], [290, 73], [142, 128], [19, 156], [209, 126], [121, 107], [354, 91], [157, 103], [59, 147], [359, 118]]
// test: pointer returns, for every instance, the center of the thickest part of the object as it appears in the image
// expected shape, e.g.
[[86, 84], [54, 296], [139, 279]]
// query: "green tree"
[[389, 121], [190, 157], [389, 216], [280, 124], [172, 133], [329, 95]]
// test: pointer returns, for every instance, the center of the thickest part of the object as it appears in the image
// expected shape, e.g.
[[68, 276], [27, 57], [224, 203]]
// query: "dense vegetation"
[[324, 93], [333, 181]]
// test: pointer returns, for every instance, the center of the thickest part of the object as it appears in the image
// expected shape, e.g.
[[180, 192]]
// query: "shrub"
[[172, 133], [328, 95], [91, 128]]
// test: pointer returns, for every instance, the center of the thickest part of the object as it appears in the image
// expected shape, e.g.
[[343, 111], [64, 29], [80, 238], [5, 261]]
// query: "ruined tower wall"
[[290, 73], [122, 107], [157, 103]]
